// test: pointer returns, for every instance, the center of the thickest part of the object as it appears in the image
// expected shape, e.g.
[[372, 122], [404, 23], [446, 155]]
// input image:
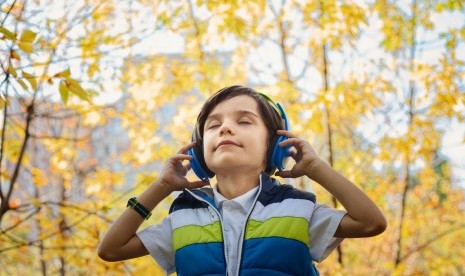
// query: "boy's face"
[[235, 137]]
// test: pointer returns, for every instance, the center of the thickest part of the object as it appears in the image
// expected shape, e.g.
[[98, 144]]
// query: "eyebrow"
[[240, 112]]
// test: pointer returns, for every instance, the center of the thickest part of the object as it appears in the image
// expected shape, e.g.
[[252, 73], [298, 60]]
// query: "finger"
[[291, 142], [293, 154], [186, 148], [285, 133], [181, 157], [284, 174], [188, 166], [198, 184]]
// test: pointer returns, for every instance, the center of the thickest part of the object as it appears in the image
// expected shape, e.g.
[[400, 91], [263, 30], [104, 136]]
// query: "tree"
[[422, 97], [354, 80], [46, 58]]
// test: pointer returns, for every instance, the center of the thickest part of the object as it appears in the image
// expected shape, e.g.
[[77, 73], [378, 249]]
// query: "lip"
[[226, 143]]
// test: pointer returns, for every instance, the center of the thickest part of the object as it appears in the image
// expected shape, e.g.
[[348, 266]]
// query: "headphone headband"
[[279, 109]]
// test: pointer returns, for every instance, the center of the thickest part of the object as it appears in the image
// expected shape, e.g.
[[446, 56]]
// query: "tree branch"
[[2, 142], [84, 138], [432, 240], [6, 199], [7, 13], [20, 222]]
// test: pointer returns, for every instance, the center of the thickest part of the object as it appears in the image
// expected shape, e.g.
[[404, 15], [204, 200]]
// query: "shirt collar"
[[245, 200]]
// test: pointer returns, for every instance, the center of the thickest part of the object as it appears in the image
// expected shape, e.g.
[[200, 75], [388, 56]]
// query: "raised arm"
[[364, 218], [121, 242]]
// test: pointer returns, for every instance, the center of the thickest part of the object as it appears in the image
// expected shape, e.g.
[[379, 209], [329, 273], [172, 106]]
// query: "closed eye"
[[245, 122], [213, 126]]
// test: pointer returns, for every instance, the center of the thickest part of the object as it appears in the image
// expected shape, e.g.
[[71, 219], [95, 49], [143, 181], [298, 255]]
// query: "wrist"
[[153, 195], [162, 187], [139, 208], [312, 168]]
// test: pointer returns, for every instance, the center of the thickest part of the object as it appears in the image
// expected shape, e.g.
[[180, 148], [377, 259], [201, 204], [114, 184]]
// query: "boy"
[[248, 224]]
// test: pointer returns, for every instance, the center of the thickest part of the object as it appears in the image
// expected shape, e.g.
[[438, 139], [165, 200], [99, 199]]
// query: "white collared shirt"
[[234, 213]]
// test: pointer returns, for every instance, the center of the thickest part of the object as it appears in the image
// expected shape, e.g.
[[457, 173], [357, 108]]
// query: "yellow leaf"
[[65, 74], [2, 102], [31, 79], [23, 84], [25, 46], [36, 202], [75, 87], [12, 71], [64, 92], [93, 68], [28, 36], [38, 177], [14, 55]]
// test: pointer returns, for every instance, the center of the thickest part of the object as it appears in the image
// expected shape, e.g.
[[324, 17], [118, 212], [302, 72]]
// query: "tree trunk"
[[329, 133], [406, 165]]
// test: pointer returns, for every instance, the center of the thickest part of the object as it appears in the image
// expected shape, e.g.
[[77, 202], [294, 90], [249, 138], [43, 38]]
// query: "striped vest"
[[275, 240]]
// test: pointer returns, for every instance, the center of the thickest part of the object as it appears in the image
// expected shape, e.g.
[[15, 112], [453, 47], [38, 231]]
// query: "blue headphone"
[[276, 157]]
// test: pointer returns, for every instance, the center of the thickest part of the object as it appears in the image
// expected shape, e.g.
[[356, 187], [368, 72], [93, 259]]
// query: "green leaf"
[[31, 79], [75, 87], [64, 92], [28, 36], [7, 33]]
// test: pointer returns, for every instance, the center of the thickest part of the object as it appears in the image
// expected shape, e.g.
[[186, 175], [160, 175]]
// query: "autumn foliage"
[[95, 95]]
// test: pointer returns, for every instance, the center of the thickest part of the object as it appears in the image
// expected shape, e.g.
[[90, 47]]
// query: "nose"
[[226, 128]]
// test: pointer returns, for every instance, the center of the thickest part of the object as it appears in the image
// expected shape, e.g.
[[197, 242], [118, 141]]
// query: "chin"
[[236, 167]]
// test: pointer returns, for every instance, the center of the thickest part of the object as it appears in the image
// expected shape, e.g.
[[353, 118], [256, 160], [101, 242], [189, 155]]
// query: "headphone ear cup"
[[270, 166], [198, 164], [280, 154]]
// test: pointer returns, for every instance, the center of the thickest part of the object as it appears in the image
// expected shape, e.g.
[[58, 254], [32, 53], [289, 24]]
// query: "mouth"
[[227, 143]]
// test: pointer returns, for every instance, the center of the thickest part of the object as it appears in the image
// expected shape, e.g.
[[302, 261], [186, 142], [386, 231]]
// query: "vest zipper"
[[225, 252], [241, 239]]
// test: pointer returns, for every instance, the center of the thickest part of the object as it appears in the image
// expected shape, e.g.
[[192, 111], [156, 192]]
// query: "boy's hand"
[[173, 175], [303, 154]]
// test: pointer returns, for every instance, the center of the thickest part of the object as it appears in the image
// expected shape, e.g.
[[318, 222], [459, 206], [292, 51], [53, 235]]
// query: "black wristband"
[[139, 208]]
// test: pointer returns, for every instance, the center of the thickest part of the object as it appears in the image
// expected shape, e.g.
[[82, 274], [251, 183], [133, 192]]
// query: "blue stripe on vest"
[[276, 256], [200, 259]]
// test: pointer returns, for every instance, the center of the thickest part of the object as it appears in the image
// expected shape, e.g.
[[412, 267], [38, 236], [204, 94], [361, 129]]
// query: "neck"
[[234, 185]]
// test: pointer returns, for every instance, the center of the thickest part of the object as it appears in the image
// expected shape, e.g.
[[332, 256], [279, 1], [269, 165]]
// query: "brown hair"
[[268, 113]]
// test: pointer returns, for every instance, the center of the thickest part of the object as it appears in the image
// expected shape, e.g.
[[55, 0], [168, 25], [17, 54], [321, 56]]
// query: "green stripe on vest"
[[191, 234], [285, 227]]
